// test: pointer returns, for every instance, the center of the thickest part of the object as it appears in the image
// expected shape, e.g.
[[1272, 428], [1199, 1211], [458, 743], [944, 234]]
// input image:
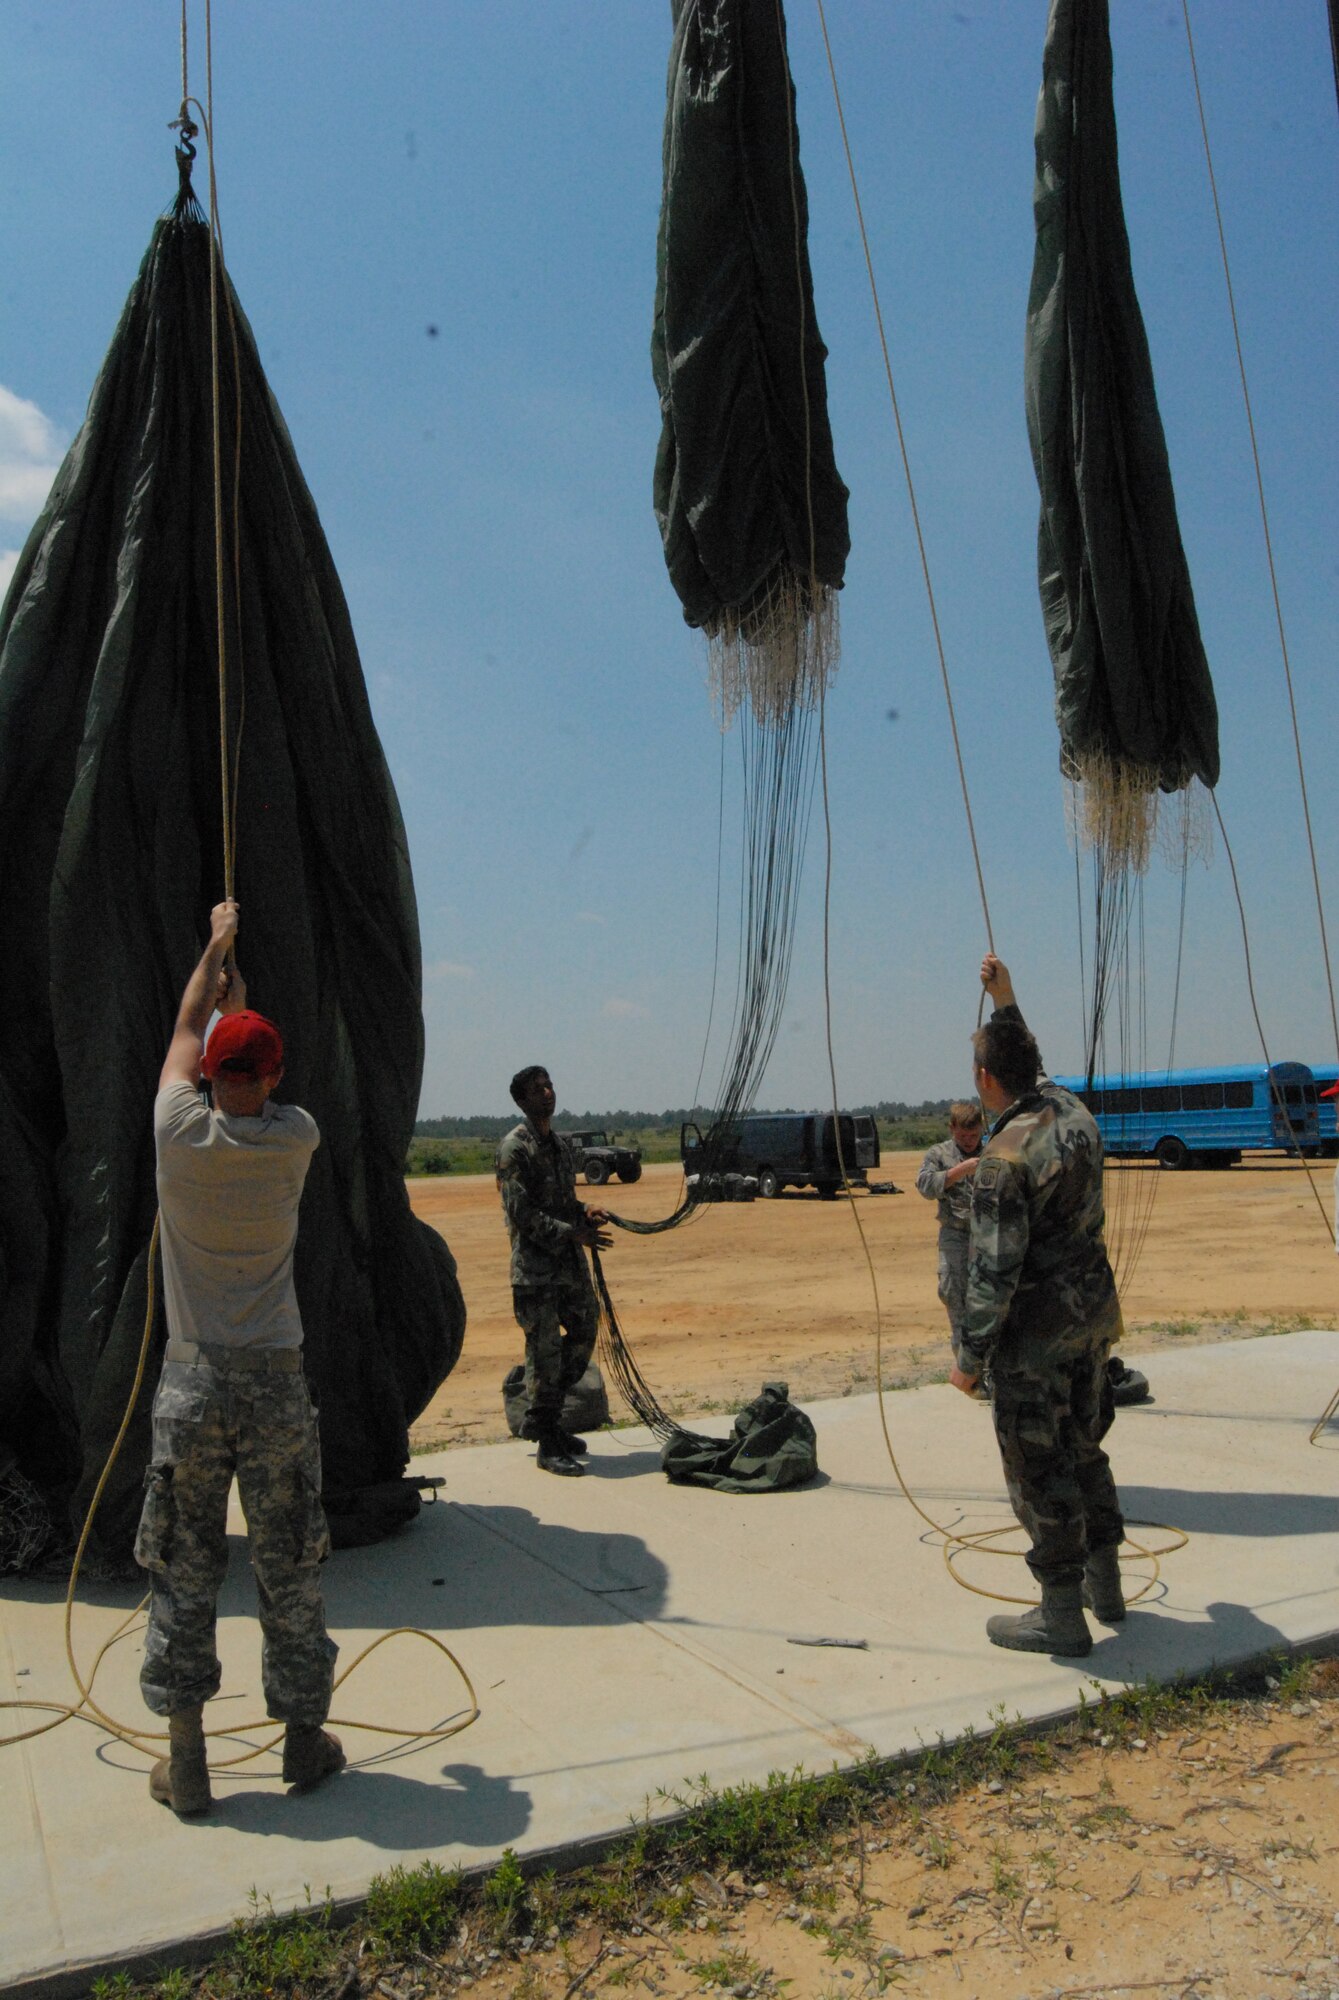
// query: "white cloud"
[[588, 917], [623, 1010], [448, 968], [31, 449], [8, 564]]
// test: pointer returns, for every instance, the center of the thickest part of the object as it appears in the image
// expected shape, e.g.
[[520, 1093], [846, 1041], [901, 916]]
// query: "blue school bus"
[[1204, 1117], [1327, 1076]]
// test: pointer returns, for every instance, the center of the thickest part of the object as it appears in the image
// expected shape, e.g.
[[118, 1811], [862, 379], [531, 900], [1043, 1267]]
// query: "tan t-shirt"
[[228, 1190]]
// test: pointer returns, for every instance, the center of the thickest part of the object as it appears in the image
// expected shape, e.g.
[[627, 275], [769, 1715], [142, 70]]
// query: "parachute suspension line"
[[716, 933], [1255, 1010], [1180, 950], [906, 469], [1078, 907], [1264, 523], [1333, 1404], [769, 666], [226, 768], [229, 767], [954, 1545]]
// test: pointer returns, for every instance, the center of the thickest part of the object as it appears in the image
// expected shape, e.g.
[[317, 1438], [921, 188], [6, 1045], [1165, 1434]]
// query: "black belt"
[[263, 1360]]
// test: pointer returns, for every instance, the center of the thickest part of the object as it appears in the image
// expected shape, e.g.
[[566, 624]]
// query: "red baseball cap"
[[244, 1044]]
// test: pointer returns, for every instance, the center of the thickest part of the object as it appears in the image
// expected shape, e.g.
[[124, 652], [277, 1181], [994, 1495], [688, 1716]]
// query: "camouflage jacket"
[[1038, 1269], [536, 1177], [955, 1203]]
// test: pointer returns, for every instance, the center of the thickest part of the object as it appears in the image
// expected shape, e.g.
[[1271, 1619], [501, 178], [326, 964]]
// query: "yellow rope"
[[911, 486], [1264, 520], [1333, 1404]]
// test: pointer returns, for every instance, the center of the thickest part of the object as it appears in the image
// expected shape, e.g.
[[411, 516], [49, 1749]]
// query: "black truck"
[[598, 1158], [779, 1150]]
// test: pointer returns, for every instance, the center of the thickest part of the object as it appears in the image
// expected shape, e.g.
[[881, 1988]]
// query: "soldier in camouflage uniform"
[[946, 1177], [1042, 1316], [232, 1398], [552, 1295]]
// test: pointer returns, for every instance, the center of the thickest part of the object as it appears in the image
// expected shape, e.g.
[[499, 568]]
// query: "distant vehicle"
[[1327, 1076], [1204, 1117], [598, 1157], [779, 1150]]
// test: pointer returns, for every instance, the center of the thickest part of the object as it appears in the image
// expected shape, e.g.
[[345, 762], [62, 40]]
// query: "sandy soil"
[[1198, 1862], [749, 1292]]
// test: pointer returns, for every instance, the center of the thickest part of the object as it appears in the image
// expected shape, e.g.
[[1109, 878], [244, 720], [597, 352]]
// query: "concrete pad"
[[626, 1636]]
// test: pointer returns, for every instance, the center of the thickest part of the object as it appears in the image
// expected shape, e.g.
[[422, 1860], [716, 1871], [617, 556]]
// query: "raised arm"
[[995, 978], [210, 986]]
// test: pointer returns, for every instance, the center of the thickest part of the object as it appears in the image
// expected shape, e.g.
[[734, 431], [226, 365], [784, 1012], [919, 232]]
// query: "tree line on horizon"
[[481, 1125]]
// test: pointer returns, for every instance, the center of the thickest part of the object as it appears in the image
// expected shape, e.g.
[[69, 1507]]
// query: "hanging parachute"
[[111, 828], [751, 509], [1134, 700]]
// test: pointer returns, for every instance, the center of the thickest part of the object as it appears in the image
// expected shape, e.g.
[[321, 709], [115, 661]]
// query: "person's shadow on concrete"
[[622, 1465], [1147, 1647], [1218, 1513], [467, 1564], [465, 1808]]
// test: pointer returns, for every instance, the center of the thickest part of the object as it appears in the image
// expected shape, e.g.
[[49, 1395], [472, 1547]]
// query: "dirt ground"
[[751, 1292]]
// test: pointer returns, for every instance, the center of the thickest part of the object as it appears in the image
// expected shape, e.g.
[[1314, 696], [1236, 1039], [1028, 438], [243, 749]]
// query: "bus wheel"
[[769, 1187], [1171, 1152]]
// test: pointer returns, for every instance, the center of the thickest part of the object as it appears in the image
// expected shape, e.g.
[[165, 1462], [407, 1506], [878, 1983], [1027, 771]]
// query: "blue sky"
[[493, 171]]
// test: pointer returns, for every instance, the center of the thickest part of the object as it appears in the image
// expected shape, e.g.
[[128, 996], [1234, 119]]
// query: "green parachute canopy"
[[751, 509], [110, 823], [1134, 700]]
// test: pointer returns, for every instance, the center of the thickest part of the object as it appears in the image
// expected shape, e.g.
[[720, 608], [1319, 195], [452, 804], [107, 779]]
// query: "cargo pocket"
[[157, 1522]]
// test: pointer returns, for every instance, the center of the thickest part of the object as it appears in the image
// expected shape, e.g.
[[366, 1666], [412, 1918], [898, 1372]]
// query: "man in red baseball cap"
[[232, 1398]]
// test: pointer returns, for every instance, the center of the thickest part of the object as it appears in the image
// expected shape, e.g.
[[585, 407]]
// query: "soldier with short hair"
[[1042, 1315], [232, 1398], [946, 1177], [552, 1294]]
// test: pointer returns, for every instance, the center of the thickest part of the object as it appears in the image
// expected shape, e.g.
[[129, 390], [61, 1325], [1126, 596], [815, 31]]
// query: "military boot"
[[576, 1447], [181, 1779], [1057, 1625], [1102, 1591], [554, 1456], [310, 1754]]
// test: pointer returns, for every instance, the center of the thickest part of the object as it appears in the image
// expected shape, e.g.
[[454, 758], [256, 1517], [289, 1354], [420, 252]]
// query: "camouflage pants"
[[954, 1253], [212, 1419], [1052, 1405], [555, 1360]]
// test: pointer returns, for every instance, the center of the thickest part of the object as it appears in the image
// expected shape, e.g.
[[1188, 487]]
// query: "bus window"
[[1162, 1097], [1237, 1096], [1201, 1096]]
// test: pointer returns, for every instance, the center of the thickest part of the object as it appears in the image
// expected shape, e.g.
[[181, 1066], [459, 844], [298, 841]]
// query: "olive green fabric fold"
[[773, 1446]]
